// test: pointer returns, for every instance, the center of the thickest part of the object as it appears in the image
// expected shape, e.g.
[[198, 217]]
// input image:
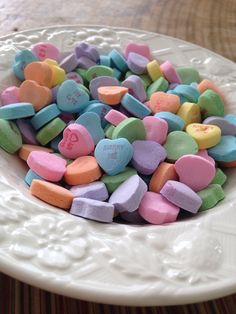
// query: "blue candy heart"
[[23, 58], [71, 98], [100, 109], [224, 151], [113, 155], [92, 122]]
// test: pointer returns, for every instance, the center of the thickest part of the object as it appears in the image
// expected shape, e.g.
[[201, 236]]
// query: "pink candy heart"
[[76, 142]]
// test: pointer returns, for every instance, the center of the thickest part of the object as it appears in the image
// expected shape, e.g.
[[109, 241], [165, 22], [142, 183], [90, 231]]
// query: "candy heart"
[[92, 122], [141, 49], [131, 128], [210, 196], [225, 150], [111, 95], [113, 155], [227, 128], [76, 142], [137, 63], [32, 92], [136, 87], [147, 155], [211, 104], [85, 50], [99, 81], [44, 50], [22, 58], [195, 171], [156, 129], [10, 95], [71, 98], [100, 109], [161, 101], [205, 135], [40, 72]]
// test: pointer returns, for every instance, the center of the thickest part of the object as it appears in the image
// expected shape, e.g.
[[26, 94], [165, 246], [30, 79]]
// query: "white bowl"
[[188, 261]]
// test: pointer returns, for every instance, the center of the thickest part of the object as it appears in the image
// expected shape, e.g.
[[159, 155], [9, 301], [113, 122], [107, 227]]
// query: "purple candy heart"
[[137, 63], [92, 209], [27, 131], [85, 50], [69, 63], [129, 194], [147, 156], [101, 81], [226, 127], [85, 63], [136, 87], [133, 217], [95, 190], [181, 195]]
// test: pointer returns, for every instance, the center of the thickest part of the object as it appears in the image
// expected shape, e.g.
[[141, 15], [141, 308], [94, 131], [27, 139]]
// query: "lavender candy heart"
[[69, 63], [147, 155], [85, 63], [129, 194], [85, 50], [27, 131], [136, 87], [92, 209], [226, 127], [101, 81], [181, 195], [95, 190], [133, 217], [137, 63]]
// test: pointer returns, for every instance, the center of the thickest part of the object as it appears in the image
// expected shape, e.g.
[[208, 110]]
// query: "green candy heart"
[[98, 70], [109, 130], [210, 196], [188, 75], [160, 85], [131, 128], [50, 131], [211, 104], [10, 136], [219, 178], [112, 182], [179, 143]]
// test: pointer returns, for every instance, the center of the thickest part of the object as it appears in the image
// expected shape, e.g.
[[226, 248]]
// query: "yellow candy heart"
[[190, 113], [58, 74], [205, 135]]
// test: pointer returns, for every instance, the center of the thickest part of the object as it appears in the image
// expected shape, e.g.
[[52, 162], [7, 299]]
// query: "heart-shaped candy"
[[156, 129], [71, 98], [141, 49], [76, 142], [32, 92], [136, 87], [44, 50], [205, 135], [111, 95], [225, 150], [160, 101], [113, 155], [22, 58], [40, 72]]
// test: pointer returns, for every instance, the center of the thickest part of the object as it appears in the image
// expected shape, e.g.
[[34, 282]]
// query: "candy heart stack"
[[119, 135]]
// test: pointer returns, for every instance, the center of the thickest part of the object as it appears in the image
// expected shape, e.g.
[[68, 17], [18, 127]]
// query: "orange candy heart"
[[38, 96], [111, 95], [40, 72], [161, 101]]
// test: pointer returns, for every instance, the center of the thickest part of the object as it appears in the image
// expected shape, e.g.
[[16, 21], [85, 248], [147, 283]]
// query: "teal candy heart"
[[71, 98], [23, 58], [113, 155], [92, 122], [225, 150], [100, 109]]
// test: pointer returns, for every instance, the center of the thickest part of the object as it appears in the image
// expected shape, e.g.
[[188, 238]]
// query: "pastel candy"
[[49, 131], [100, 109], [226, 127], [84, 49], [156, 129], [160, 85], [46, 165], [28, 133], [92, 209], [157, 210], [10, 95], [30, 176], [225, 150], [132, 217], [10, 136], [85, 63], [188, 75], [105, 60], [160, 101], [141, 49], [154, 70], [58, 74], [129, 194], [207, 84], [178, 144], [231, 118], [219, 178], [44, 116], [71, 98], [134, 106], [75, 77], [16, 111], [190, 113], [135, 87], [112, 182], [109, 131], [92, 122], [111, 95], [210, 196], [211, 104], [164, 172], [40, 72], [99, 81], [22, 58], [76, 142], [146, 156], [118, 60], [131, 128], [69, 63], [175, 123], [188, 91], [203, 153], [115, 117], [137, 63], [98, 70], [94, 190], [195, 171], [32, 92], [170, 73], [26, 149], [205, 135], [182, 99], [44, 50], [182, 196], [113, 155]]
